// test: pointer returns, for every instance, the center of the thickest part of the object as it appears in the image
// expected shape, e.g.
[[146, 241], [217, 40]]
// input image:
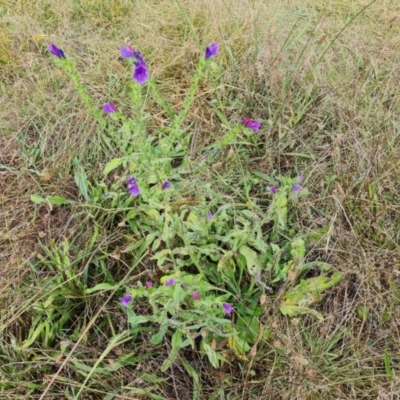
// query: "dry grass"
[[335, 119]]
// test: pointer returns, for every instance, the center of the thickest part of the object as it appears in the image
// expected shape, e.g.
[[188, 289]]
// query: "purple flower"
[[149, 284], [127, 52], [296, 189], [273, 189], [109, 107], [210, 216], [134, 190], [125, 300], [165, 185], [227, 308], [139, 59], [196, 296], [131, 181], [250, 123], [56, 51], [170, 282], [211, 50], [140, 75]]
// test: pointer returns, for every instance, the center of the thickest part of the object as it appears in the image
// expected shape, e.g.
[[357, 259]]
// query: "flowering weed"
[[219, 262]]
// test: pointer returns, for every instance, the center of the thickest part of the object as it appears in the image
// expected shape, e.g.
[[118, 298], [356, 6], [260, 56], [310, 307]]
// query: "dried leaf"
[[263, 299], [311, 372], [217, 166], [276, 324], [291, 276], [253, 351], [295, 321], [300, 361], [45, 175]]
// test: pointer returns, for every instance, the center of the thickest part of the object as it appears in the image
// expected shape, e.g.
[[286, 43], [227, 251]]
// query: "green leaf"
[[292, 311], [153, 214], [166, 364], [362, 312], [33, 334], [239, 346], [196, 379], [394, 292], [212, 355], [113, 164], [296, 299], [81, 179], [100, 286], [37, 199], [134, 245], [276, 258], [278, 210], [226, 262], [150, 238], [222, 117], [248, 326], [298, 251], [252, 259], [138, 319], [176, 341], [158, 337], [57, 200], [178, 295], [388, 368]]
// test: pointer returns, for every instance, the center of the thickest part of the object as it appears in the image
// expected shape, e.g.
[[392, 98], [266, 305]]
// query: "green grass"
[[326, 89]]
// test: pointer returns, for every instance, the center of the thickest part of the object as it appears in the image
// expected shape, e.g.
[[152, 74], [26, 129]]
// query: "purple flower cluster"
[[140, 74], [227, 308], [125, 300], [211, 50], [109, 107], [250, 123], [133, 187], [170, 282], [56, 51], [166, 185], [127, 52], [296, 188]]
